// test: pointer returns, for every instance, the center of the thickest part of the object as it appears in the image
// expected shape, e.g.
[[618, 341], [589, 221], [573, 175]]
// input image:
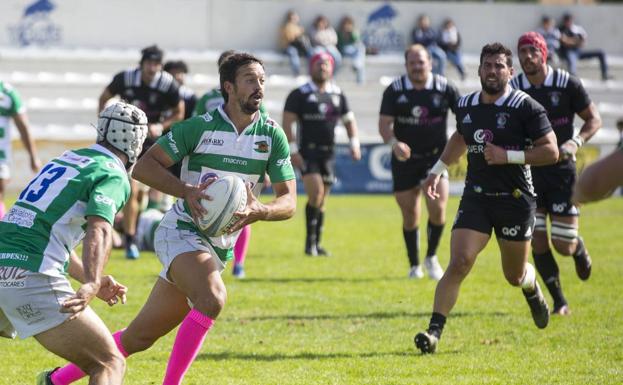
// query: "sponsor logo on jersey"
[[20, 216], [207, 176], [207, 117], [75, 159], [554, 98], [419, 111], [12, 277], [511, 231], [501, 118], [402, 99], [240, 162], [36, 26], [283, 162], [103, 199], [261, 147], [467, 119], [483, 136], [559, 207], [212, 141], [172, 142]]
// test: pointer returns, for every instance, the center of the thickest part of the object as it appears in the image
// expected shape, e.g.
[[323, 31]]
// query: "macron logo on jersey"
[[467, 119]]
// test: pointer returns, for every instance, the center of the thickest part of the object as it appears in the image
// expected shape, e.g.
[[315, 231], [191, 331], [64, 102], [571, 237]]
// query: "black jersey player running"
[[563, 96], [503, 131], [317, 107], [413, 120]]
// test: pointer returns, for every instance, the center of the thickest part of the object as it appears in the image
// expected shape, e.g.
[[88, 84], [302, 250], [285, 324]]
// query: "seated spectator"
[[350, 45], [293, 41], [572, 38], [450, 42], [425, 35], [324, 38], [551, 34]]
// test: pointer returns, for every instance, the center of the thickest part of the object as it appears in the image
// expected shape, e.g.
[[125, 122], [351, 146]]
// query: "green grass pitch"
[[351, 318]]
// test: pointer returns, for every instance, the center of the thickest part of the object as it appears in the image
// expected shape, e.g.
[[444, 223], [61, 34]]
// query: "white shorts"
[[5, 171], [30, 302], [169, 242]]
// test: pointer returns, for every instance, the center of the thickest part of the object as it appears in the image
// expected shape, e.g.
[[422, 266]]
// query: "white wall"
[[253, 24]]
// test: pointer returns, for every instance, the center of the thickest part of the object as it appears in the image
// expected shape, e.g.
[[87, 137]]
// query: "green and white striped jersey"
[[10, 105], [49, 217], [209, 145]]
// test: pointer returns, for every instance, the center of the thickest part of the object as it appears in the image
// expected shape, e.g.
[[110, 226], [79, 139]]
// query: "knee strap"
[[539, 222], [564, 231]]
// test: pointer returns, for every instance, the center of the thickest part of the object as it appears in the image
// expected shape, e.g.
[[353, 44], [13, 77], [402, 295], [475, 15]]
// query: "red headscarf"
[[534, 39], [321, 56]]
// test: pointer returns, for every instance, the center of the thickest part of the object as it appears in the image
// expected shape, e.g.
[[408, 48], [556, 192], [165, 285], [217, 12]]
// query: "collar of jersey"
[[428, 86], [549, 79], [226, 118], [330, 88], [104, 150]]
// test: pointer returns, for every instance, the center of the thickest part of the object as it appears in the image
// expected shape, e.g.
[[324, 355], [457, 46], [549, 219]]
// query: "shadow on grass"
[[374, 315], [320, 279]]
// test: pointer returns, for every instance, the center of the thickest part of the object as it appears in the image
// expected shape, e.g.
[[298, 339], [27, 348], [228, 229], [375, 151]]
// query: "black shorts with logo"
[[410, 173], [319, 161], [554, 188], [511, 218]]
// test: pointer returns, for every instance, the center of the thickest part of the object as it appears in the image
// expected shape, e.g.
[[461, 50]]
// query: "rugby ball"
[[229, 195]]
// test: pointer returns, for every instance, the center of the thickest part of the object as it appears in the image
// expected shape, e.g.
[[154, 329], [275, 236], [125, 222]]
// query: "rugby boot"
[[310, 247], [561, 309], [538, 306], [426, 342], [583, 265], [322, 252], [416, 272], [433, 267]]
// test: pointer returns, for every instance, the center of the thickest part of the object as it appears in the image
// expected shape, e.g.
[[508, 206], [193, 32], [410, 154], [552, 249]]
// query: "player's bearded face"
[[249, 87], [149, 69], [531, 60], [494, 74], [321, 71], [418, 66]]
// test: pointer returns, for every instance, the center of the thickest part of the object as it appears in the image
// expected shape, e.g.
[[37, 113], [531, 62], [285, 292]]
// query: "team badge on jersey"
[[436, 99], [261, 146], [554, 98], [501, 118], [336, 100]]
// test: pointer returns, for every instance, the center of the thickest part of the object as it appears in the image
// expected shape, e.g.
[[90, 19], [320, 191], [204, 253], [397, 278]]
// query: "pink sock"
[[3, 209], [71, 373], [242, 244], [190, 337]]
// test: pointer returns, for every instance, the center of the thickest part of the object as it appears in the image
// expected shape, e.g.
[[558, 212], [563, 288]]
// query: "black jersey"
[[190, 100], [420, 116], [154, 99], [318, 113], [513, 122], [563, 96]]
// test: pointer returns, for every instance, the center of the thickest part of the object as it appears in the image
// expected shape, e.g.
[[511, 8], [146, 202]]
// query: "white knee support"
[[539, 222], [564, 231]]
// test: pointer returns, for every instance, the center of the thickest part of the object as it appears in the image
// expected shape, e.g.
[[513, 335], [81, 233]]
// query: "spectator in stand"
[[349, 44], [324, 38], [551, 34], [293, 41], [450, 42], [179, 70], [572, 38], [425, 35]]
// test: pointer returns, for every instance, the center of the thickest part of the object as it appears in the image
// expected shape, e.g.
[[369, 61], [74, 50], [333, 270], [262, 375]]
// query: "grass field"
[[351, 318]]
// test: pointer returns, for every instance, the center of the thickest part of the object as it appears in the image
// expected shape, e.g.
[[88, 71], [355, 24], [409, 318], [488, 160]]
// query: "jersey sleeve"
[[17, 107], [117, 85], [536, 122], [344, 108], [387, 103], [108, 196], [453, 95], [579, 98], [279, 167], [172, 96], [183, 137], [292, 102]]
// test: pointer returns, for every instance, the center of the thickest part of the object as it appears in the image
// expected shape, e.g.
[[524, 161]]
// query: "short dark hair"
[[153, 52], [229, 68], [497, 49], [175, 65], [224, 55]]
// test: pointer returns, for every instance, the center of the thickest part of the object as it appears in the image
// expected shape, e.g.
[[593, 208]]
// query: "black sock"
[[437, 322], [319, 225], [311, 217], [130, 239], [548, 270], [434, 235], [580, 250], [412, 241]]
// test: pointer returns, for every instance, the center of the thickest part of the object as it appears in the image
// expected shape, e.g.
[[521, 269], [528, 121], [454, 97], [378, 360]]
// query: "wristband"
[[516, 157], [294, 148], [439, 168], [354, 142], [578, 140]]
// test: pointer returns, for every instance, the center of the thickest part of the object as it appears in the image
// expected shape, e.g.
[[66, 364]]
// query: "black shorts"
[[319, 162], [554, 188], [511, 218], [410, 173]]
